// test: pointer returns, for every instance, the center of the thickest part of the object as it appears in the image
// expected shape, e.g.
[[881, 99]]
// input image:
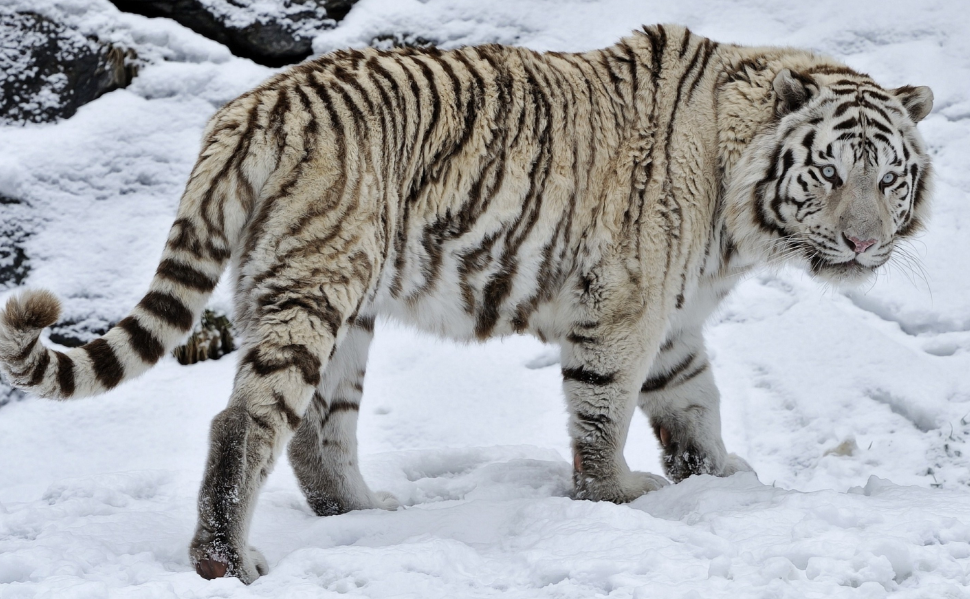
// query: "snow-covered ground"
[[854, 407]]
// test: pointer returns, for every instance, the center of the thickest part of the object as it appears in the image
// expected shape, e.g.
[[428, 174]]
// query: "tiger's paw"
[[685, 455], [211, 563], [622, 489]]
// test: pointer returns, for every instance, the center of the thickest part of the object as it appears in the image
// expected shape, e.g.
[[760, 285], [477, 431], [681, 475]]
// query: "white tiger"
[[605, 201]]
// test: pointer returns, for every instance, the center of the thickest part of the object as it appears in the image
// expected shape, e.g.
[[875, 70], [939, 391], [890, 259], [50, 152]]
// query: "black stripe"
[[808, 141], [148, 348], [207, 196], [760, 214], [26, 351], [844, 91], [336, 407], [878, 125], [402, 62], [787, 161], [655, 383], [365, 323], [684, 43], [614, 78], [588, 377], [599, 422], [878, 110], [311, 128], [183, 237], [848, 123], [292, 418], [435, 100], [357, 115], [631, 60], [843, 107], [343, 406], [399, 105], [65, 373], [320, 308], [107, 369], [657, 44], [692, 374], [40, 369], [913, 223], [580, 339], [168, 308], [262, 423], [709, 47], [294, 356], [277, 122], [186, 276], [353, 81], [833, 70]]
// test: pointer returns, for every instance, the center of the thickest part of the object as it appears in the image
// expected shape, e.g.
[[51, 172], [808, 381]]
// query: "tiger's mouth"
[[847, 271], [838, 269]]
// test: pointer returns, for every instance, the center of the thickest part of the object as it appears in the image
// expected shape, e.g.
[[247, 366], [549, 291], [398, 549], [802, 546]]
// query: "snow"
[[852, 406], [242, 13]]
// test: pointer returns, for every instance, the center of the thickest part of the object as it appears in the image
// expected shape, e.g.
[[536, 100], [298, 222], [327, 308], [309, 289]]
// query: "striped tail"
[[212, 214]]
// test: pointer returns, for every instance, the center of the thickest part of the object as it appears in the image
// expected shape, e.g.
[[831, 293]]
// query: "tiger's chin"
[[850, 273]]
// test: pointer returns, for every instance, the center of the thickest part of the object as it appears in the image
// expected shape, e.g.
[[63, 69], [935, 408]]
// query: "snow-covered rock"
[[48, 70], [270, 33]]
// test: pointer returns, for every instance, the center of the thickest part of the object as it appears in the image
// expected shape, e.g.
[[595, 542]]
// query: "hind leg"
[[323, 452], [277, 375], [683, 404], [300, 311]]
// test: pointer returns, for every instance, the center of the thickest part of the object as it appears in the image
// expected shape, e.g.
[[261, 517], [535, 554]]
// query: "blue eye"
[[828, 172], [889, 179]]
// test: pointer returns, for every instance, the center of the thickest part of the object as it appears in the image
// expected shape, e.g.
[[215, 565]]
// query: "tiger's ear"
[[792, 91], [918, 101]]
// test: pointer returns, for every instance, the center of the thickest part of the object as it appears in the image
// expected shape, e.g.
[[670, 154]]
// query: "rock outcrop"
[[269, 33], [14, 231], [48, 70]]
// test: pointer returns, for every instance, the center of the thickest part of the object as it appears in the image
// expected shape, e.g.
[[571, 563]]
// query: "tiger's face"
[[843, 175]]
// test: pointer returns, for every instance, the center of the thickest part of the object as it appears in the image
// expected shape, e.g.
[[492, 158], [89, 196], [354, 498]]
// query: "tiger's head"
[[836, 178]]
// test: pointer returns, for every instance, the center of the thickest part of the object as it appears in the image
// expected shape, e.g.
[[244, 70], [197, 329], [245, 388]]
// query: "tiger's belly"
[[444, 315], [463, 303]]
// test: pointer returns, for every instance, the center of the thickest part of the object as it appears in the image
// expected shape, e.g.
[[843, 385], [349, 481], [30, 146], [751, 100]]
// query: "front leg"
[[601, 376], [682, 401]]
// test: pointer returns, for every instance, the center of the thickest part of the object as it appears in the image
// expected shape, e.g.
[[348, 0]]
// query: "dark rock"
[[274, 40], [75, 333], [15, 228], [48, 70], [338, 9], [210, 340]]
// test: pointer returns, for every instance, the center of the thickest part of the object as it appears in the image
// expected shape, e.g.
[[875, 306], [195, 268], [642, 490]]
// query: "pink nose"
[[857, 244]]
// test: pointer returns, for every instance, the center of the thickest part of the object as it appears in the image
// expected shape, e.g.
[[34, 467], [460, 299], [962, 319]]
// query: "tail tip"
[[31, 310]]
